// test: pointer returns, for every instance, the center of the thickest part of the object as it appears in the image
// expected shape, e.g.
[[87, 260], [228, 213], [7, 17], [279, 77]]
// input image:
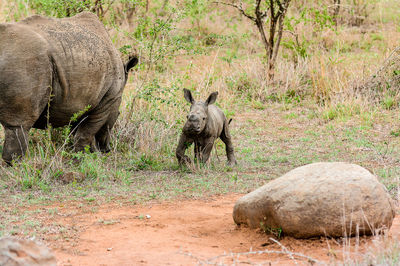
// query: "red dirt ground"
[[185, 233]]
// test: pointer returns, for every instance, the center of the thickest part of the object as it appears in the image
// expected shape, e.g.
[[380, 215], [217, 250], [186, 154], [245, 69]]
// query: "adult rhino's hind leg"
[[15, 144], [103, 136], [85, 133], [95, 127]]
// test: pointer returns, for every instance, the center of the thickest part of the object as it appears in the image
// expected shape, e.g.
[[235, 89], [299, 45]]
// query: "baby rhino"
[[205, 123]]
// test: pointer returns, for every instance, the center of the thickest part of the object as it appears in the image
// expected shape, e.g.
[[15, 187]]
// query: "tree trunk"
[[282, 13], [260, 28]]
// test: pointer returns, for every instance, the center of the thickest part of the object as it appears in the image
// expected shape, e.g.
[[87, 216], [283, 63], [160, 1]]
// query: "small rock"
[[70, 177], [148, 216], [109, 249], [22, 252]]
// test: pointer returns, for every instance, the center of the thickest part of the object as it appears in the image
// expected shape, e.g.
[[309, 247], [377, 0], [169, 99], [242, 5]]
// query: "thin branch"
[[284, 249], [213, 260], [258, 8], [296, 37], [264, 14], [238, 7], [272, 10], [108, 7], [279, 4]]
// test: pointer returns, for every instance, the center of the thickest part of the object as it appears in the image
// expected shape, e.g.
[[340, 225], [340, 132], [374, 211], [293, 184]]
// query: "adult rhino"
[[51, 69]]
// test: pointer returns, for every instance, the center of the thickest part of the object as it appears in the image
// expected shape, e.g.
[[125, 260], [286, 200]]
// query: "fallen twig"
[[284, 251]]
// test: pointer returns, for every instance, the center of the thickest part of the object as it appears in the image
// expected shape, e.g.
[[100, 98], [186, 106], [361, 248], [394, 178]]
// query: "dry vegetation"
[[313, 109]]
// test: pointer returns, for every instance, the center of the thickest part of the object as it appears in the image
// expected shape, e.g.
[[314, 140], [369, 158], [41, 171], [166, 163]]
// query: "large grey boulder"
[[319, 199], [22, 252]]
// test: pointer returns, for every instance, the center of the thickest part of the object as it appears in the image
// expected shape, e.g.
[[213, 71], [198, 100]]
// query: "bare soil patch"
[[181, 233]]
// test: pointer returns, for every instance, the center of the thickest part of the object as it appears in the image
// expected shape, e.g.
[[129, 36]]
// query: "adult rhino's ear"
[[188, 96], [212, 98], [133, 60]]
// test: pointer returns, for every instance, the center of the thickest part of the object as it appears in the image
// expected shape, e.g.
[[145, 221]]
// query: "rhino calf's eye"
[[204, 118]]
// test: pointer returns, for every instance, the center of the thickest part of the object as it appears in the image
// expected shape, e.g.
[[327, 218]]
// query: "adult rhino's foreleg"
[[15, 144]]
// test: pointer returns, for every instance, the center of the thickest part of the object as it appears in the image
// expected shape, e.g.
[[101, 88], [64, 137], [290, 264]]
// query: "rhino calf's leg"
[[197, 151], [184, 143], [227, 139], [15, 144], [206, 150]]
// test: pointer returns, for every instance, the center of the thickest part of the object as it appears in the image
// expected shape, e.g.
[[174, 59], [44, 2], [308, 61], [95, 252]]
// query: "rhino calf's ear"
[[131, 63], [188, 96], [212, 98]]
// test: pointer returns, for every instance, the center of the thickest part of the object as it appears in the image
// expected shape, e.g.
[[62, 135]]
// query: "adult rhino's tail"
[[133, 60], [229, 122]]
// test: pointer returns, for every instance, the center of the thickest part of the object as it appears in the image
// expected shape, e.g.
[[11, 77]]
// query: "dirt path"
[[183, 233]]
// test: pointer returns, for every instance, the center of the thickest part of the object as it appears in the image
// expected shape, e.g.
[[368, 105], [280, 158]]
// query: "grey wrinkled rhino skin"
[[50, 69], [206, 122]]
